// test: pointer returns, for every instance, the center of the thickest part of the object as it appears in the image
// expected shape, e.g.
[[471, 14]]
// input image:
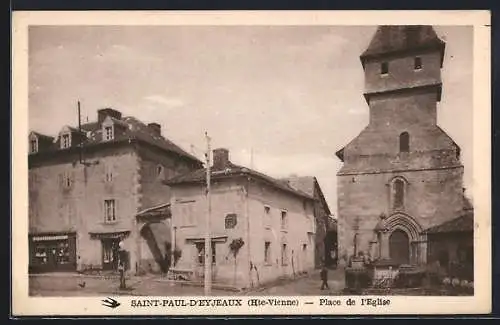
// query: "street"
[[70, 285]]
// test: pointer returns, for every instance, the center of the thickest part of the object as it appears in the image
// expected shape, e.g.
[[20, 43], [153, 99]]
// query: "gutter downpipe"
[[247, 217]]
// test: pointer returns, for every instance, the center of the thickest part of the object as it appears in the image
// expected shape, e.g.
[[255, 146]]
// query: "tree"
[[234, 248]]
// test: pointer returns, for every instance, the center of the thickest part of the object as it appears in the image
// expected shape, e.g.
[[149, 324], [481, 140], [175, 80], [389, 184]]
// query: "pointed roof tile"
[[393, 39]]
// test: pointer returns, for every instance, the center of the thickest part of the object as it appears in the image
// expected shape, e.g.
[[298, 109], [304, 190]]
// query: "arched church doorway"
[[399, 247]]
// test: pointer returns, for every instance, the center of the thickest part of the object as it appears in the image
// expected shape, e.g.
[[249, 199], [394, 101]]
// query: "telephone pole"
[[80, 144], [208, 240]]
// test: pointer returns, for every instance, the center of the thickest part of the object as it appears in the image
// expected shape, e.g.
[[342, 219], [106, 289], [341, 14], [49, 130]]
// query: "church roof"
[[463, 223], [398, 39]]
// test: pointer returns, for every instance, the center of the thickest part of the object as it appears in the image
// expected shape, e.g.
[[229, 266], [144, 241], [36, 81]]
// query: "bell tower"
[[402, 61], [402, 173]]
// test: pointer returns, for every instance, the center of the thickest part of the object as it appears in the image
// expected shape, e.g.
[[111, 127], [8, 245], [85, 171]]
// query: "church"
[[402, 174]]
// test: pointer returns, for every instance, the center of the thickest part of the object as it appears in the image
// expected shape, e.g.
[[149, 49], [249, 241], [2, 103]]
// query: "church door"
[[399, 247]]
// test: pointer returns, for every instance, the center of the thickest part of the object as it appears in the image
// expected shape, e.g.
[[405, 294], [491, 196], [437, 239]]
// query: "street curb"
[[200, 284]]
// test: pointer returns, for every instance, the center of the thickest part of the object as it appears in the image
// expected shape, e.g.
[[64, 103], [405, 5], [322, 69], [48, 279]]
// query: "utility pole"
[[80, 131], [208, 240], [251, 157]]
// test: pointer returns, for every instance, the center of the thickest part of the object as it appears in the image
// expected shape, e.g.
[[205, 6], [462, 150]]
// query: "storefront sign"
[[49, 238]]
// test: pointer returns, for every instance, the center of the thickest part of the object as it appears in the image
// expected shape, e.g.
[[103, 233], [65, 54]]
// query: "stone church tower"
[[402, 174]]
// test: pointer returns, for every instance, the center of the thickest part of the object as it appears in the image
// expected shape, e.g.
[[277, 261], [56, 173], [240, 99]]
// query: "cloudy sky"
[[292, 95]]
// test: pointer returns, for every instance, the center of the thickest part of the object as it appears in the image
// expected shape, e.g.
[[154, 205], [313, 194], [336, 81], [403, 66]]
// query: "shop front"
[[54, 252], [109, 248]]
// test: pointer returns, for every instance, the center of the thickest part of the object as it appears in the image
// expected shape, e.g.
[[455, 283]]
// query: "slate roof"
[[41, 136], [393, 39], [307, 184], [464, 223], [129, 128], [233, 170]]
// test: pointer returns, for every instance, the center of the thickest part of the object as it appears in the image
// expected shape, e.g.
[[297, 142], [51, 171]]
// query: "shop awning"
[[50, 238], [215, 238], [109, 235], [156, 213]]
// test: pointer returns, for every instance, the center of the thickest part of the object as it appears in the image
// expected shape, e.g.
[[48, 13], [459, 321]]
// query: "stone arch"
[[404, 222], [158, 238], [400, 222]]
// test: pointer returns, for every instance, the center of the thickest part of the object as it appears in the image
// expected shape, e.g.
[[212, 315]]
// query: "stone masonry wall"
[[432, 197], [80, 207]]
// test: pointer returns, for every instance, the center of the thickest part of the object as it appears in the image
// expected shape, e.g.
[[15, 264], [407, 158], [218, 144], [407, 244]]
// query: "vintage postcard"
[[256, 163]]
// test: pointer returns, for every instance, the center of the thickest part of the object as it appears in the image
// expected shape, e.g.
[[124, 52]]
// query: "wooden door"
[[399, 247]]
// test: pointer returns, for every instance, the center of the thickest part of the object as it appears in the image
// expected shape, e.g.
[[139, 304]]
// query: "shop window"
[[201, 253]]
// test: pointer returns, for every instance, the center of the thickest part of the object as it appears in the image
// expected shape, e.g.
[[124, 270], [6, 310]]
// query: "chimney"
[[221, 158], [155, 128], [105, 112]]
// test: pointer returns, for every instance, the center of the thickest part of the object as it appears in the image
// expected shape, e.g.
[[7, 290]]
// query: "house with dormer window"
[[86, 187], [38, 141]]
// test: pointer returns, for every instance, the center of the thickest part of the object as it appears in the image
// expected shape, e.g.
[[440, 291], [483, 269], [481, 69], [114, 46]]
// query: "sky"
[[282, 99]]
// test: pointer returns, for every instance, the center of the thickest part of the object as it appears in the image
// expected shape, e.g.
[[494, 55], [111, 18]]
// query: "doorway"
[[110, 253], [399, 247]]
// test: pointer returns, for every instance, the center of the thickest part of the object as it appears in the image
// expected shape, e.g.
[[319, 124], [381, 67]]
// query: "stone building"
[[402, 174], [452, 244], [273, 221], [86, 186], [323, 244]]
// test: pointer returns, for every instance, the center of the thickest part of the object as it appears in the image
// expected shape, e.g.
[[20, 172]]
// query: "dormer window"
[[34, 145], [384, 68], [65, 141], [417, 65], [108, 133]]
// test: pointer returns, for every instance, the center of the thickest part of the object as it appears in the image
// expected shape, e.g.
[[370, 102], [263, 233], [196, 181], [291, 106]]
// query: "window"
[[384, 68], [267, 216], [33, 146], [284, 220], [186, 214], [267, 252], [65, 141], [108, 133], [417, 64], [159, 172], [284, 254], [108, 173], [230, 221], [399, 188], [404, 142], [201, 253], [66, 179], [109, 211]]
